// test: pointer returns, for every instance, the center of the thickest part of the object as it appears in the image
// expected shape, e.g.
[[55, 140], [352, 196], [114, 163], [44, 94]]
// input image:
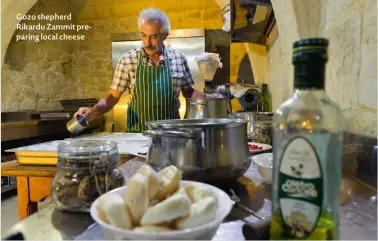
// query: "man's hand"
[[86, 112], [214, 96]]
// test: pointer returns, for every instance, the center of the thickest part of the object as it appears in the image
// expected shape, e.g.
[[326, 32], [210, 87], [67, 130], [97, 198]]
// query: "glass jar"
[[263, 127], [85, 170]]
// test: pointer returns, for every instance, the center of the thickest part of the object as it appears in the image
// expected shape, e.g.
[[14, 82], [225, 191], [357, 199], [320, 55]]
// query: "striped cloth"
[[124, 76]]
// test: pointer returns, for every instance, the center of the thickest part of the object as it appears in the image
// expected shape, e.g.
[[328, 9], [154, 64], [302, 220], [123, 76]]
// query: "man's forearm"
[[198, 94], [105, 104]]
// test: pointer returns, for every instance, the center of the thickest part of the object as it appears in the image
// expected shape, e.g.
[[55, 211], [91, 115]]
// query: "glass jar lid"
[[78, 152], [88, 147]]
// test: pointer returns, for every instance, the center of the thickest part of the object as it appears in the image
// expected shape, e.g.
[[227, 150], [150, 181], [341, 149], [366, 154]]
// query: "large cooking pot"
[[208, 150], [201, 108]]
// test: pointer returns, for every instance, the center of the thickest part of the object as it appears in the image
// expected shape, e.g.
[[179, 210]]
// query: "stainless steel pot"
[[207, 150], [200, 108], [250, 118]]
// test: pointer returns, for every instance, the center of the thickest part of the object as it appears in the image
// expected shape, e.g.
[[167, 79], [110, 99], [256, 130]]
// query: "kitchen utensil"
[[77, 124], [200, 108], [208, 69], [249, 98], [196, 109], [236, 202], [220, 151], [202, 232]]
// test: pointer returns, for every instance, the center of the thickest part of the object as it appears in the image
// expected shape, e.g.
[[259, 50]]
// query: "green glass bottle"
[[307, 142], [264, 104]]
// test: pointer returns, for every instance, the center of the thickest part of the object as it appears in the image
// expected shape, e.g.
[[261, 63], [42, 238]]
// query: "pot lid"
[[209, 122]]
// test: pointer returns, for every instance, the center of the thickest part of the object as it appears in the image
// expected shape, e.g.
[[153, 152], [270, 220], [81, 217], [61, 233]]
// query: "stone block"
[[52, 53], [67, 69], [85, 63], [57, 67], [45, 64], [100, 64], [42, 53], [365, 124], [31, 53], [109, 67], [368, 77], [65, 58], [15, 56], [73, 61], [99, 74], [9, 105], [344, 57], [28, 92], [42, 104], [369, 28], [37, 77]]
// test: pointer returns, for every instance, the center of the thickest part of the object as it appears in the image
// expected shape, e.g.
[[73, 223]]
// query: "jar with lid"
[[263, 127], [85, 170]]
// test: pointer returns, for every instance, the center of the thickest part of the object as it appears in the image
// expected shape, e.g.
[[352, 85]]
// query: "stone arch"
[[9, 9]]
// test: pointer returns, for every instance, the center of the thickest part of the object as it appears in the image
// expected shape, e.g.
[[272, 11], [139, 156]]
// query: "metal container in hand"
[[77, 124], [201, 108], [207, 150]]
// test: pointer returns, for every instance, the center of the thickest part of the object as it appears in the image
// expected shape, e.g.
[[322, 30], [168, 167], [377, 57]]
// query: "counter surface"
[[358, 217]]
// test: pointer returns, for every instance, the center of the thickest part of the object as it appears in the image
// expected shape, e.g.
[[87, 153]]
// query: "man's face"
[[152, 37]]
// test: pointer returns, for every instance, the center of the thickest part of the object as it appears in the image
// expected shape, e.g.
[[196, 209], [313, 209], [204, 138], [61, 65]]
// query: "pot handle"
[[177, 134]]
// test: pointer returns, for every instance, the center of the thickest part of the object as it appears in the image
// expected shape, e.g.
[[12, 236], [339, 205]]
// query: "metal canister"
[[77, 124]]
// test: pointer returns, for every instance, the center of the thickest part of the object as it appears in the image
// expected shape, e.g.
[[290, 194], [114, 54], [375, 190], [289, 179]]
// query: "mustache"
[[149, 47]]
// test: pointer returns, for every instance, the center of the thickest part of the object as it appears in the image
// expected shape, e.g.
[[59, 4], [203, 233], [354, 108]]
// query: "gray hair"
[[155, 15]]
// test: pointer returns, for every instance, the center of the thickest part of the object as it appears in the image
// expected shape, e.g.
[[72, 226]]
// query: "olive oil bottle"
[[264, 104], [307, 141]]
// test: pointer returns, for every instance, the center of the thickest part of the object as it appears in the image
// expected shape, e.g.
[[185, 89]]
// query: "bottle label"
[[300, 187]]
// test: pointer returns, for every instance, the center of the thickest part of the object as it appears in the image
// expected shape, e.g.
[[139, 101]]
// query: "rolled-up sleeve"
[[187, 78], [121, 80]]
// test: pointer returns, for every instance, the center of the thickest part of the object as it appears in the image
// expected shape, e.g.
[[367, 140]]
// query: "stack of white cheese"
[[155, 202]]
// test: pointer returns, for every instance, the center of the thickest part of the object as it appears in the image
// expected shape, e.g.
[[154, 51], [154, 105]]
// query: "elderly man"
[[153, 74]]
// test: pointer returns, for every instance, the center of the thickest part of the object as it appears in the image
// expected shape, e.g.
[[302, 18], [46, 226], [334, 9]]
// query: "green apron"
[[153, 98]]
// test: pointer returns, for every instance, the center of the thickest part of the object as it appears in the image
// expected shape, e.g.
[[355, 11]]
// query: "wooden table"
[[33, 185]]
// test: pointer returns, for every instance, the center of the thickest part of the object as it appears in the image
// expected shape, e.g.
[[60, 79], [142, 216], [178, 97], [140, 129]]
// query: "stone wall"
[[351, 75], [36, 75], [8, 13]]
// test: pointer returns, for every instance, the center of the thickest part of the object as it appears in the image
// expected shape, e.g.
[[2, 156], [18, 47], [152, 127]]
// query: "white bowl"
[[206, 231], [264, 164]]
